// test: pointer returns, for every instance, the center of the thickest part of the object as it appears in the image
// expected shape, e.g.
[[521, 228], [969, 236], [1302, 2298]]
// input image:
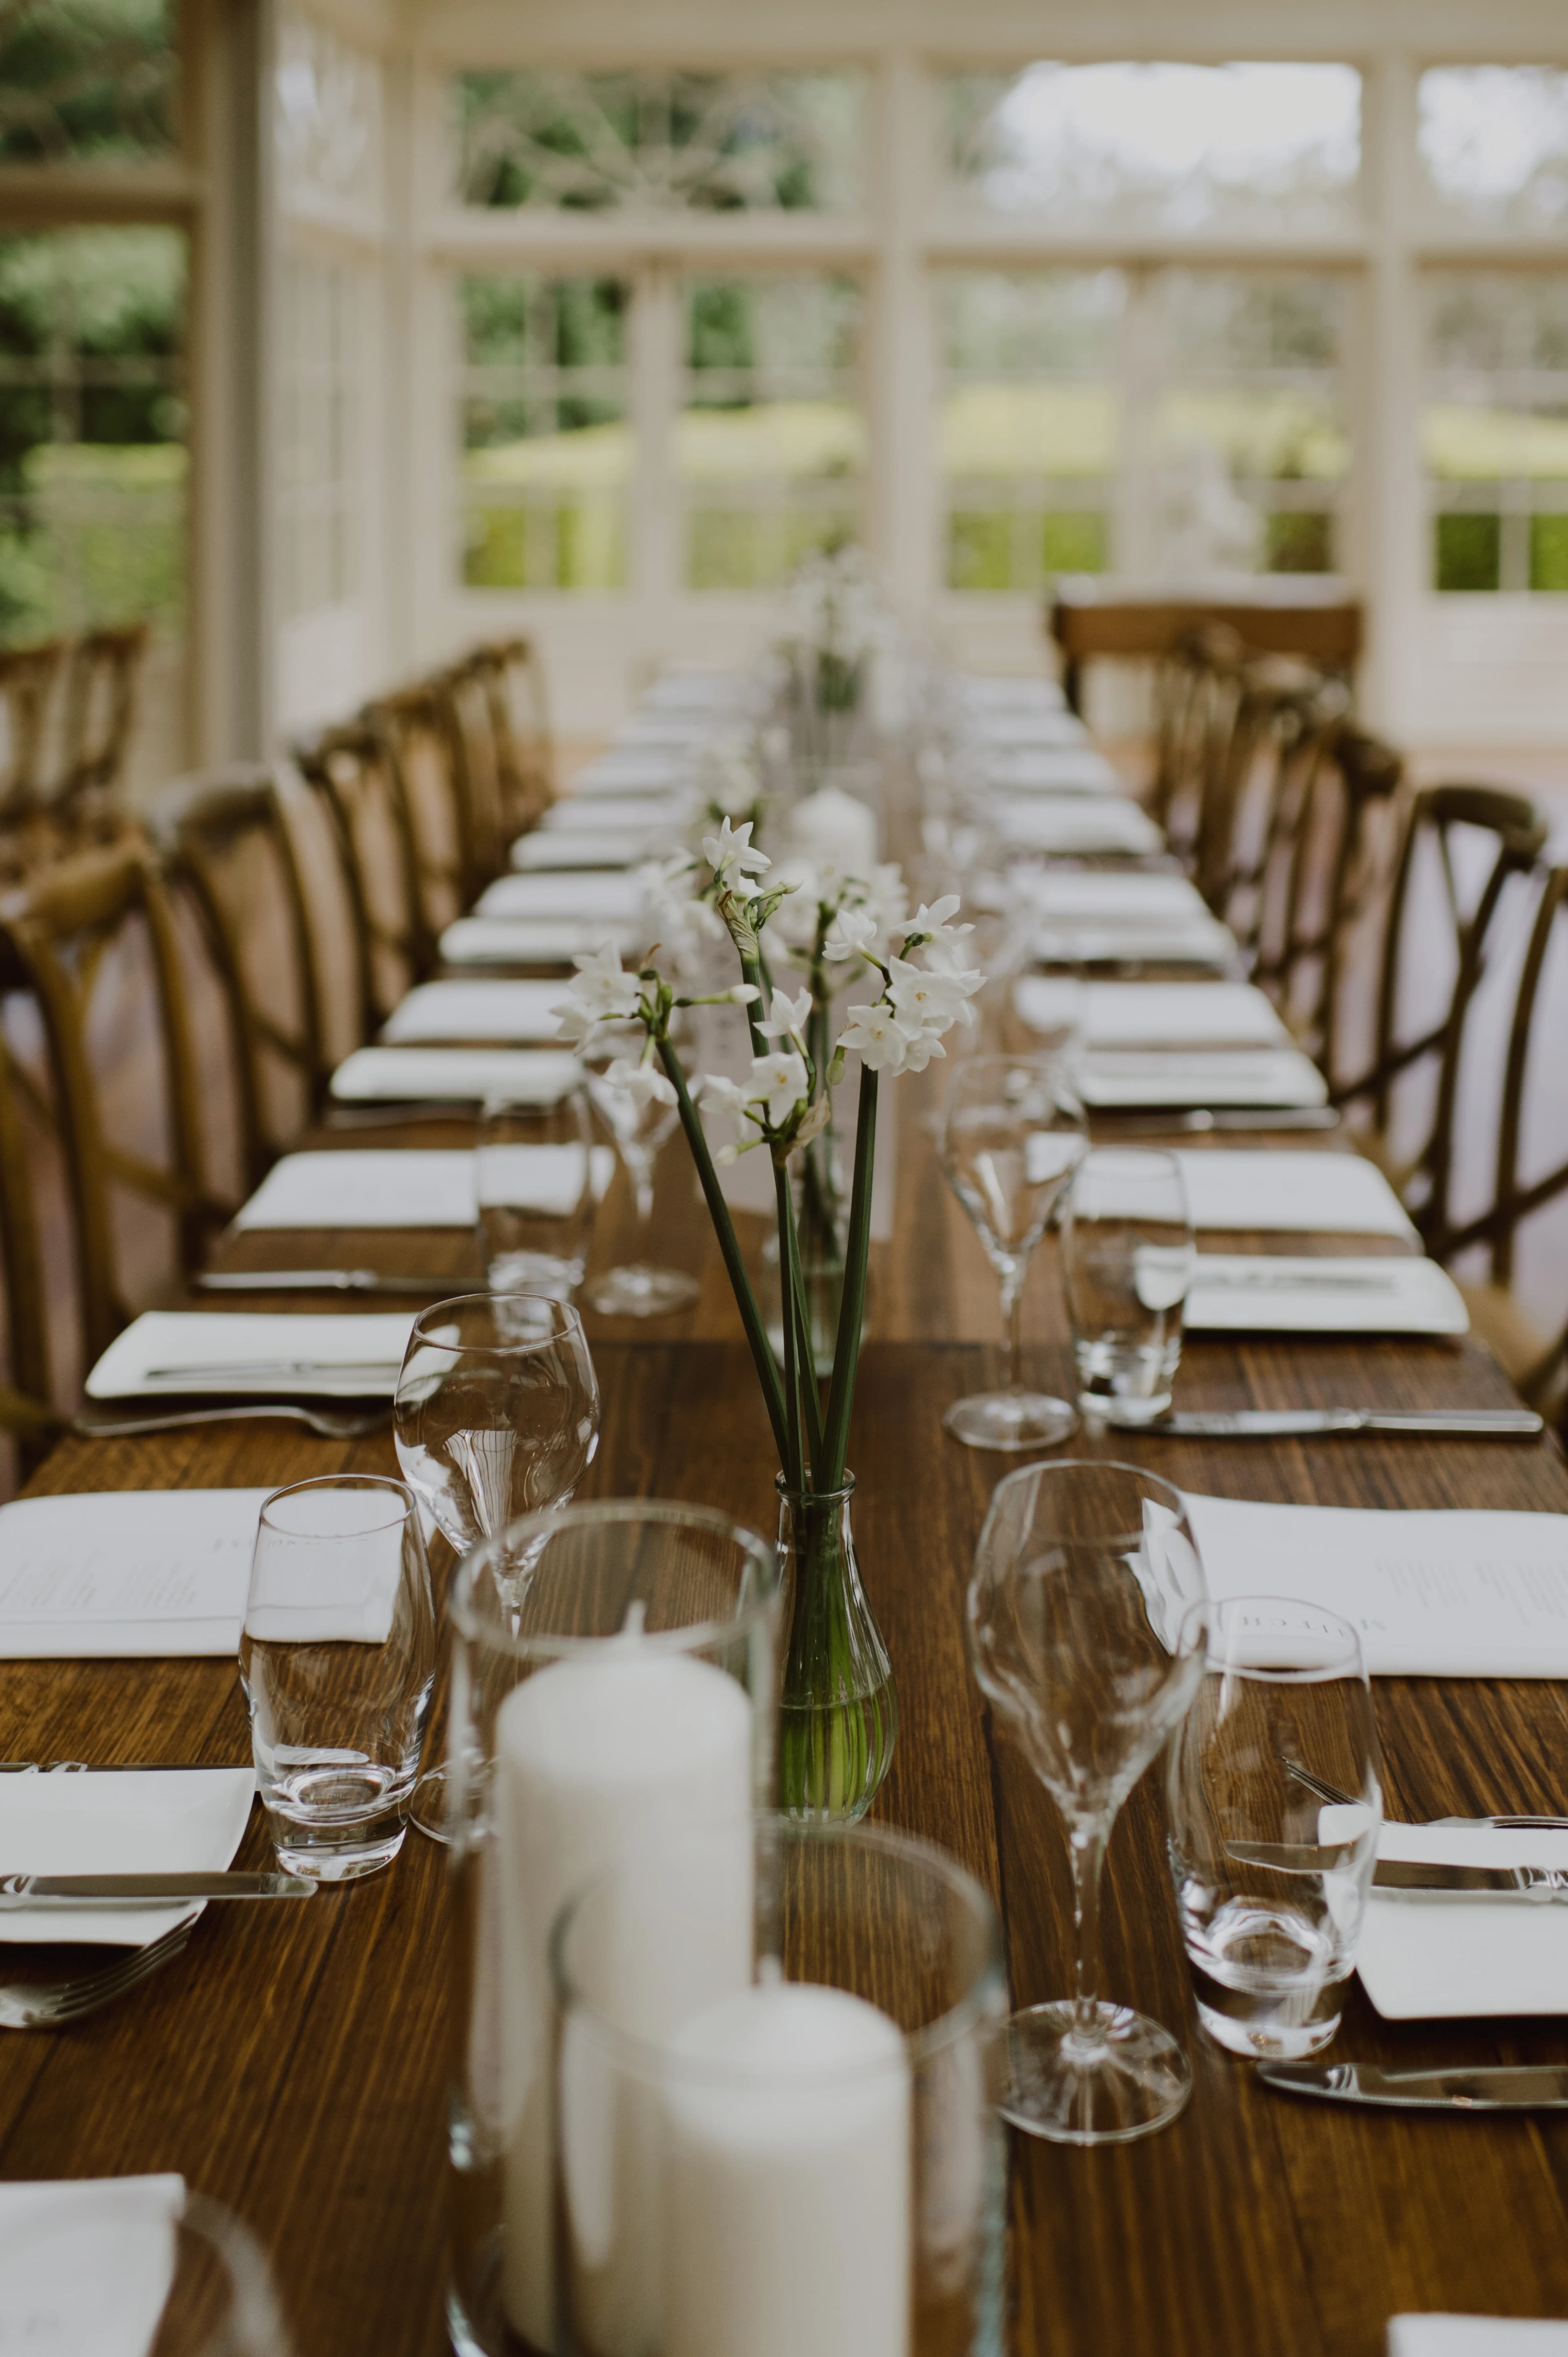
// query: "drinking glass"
[[1083, 1640], [497, 1415], [1012, 1136], [1127, 1261], [533, 1181], [640, 1128], [1272, 1884], [338, 1659]]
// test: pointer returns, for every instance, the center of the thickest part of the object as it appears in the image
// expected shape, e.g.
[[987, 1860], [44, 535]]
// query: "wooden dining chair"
[[514, 678], [1197, 691], [1507, 832], [65, 931], [103, 675], [469, 699], [27, 679], [226, 839], [357, 781], [25, 1412], [417, 729], [1285, 717]]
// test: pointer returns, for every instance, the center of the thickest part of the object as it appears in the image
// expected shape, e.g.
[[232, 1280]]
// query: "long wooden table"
[[293, 2060]]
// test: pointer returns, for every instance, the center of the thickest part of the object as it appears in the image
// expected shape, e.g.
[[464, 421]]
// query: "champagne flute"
[[497, 1415], [640, 1125], [1084, 1639], [1013, 1134]]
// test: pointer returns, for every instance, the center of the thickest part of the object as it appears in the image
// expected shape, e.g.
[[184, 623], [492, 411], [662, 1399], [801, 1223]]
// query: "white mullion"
[[655, 521], [1387, 493], [903, 495]]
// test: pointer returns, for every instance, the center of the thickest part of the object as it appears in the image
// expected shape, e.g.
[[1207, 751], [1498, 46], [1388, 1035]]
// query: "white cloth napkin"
[[87, 2265], [543, 852], [584, 894], [1290, 1191], [530, 940], [1064, 768], [454, 1075], [547, 1178], [475, 1010], [1074, 824], [1477, 2336], [631, 769], [254, 1355], [1133, 898], [1424, 1957], [126, 1572], [1455, 1593], [1031, 726], [620, 813], [1263, 1292], [1200, 942], [689, 687], [1152, 1014], [396, 1188], [1195, 1076], [118, 1821]]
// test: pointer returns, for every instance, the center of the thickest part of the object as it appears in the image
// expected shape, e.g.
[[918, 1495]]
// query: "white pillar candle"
[[788, 2191], [599, 1760], [834, 830]]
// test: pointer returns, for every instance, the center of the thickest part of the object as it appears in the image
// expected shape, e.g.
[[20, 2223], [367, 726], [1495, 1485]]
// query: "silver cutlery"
[[264, 1370], [49, 2005], [1504, 2087], [1269, 1280], [119, 1768], [325, 1280], [1336, 1799], [94, 1423], [1536, 1882], [68, 1890], [1201, 1119], [1282, 1423]]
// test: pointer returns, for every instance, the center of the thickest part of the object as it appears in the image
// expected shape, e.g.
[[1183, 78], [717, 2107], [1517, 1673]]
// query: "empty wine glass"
[[1013, 1134], [1084, 1639], [497, 1415], [641, 1125]]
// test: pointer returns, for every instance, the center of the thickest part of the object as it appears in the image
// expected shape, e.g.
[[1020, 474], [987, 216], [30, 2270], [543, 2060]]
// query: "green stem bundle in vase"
[[839, 1712]]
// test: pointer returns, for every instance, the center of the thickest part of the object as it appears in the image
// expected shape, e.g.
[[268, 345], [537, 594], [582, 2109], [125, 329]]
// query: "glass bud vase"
[[838, 1716]]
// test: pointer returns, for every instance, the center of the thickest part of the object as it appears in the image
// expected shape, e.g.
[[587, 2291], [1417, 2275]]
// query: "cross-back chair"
[[102, 680], [514, 677], [1197, 691], [357, 781], [1439, 817], [59, 930], [1285, 715], [226, 839], [26, 1411], [27, 676], [415, 724], [472, 702]]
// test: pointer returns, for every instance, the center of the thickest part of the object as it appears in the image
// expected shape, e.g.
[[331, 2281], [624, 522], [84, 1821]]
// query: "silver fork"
[[93, 1425], [49, 2005]]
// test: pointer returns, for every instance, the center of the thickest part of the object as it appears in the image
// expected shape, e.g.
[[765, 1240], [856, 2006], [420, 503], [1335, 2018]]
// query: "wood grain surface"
[[292, 2061]]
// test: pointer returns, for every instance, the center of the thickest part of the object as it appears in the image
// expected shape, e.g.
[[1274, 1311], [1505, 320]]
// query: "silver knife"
[[322, 1280], [1280, 1423], [219, 1371], [1534, 2087], [1199, 1119], [1536, 1882], [144, 1890]]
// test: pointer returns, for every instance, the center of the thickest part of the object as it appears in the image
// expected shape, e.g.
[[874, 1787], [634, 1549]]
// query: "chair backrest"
[[472, 703], [60, 929], [25, 1409], [27, 676], [355, 775], [102, 680], [1284, 712], [225, 837], [514, 677], [1197, 692], [416, 724]]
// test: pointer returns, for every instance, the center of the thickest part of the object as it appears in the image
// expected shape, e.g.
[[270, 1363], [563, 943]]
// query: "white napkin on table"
[[414, 1187], [547, 1178], [689, 687], [1152, 1014], [1426, 1957], [544, 851], [475, 1010], [990, 692], [121, 1572], [1290, 1191], [618, 814], [631, 769], [1051, 769], [584, 894], [1077, 824], [454, 1075], [1199, 941], [1129, 897], [532, 941], [1031, 726], [257, 1354], [87, 2265], [1265, 1293], [1477, 2336], [1110, 1077], [118, 1821]]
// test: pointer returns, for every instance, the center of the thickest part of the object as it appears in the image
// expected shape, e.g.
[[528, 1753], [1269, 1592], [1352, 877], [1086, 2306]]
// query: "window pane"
[[1029, 424], [328, 117], [87, 79], [770, 449], [662, 142], [1494, 142], [1177, 146], [1494, 429], [1248, 425], [546, 447], [318, 443]]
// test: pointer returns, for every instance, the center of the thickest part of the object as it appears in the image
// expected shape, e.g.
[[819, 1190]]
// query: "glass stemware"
[[497, 1415], [1013, 1134], [640, 1125], [1084, 1639]]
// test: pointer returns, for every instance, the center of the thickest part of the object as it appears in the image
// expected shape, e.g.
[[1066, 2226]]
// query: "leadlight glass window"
[[88, 81], [1494, 429]]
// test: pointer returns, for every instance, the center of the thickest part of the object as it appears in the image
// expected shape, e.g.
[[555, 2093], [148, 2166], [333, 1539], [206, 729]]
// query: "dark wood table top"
[[292, 2061]]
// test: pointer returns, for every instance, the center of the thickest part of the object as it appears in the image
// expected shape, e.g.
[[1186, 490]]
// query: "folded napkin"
[[1477, 2336], [393, 1188], [1424, 1956], [689, 687], [1127, 898], [87, 2263], [254, 1355], [119, 1821], [475, 1010], [1200, 941], [1077, 824], [547, 1178], [532, 941], [121, 1572], [1032, 727], [631, 769], [679, 730], [542, 852], [1258, 1293], [590, 894], [985, 691], [1287, 1191], [1152, 1014], [343, 1594], [454, 1075], [1051, 769], [1442, 1594], [614, 816], [1126, 1077]]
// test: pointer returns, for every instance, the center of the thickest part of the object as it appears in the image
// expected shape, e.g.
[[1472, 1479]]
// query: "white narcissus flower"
[[731, 848], [717, 1088], [778, 1082], [603, 992], [851, 934], [877, 1037], [644, 1083], [789, 1016], [923, 1045], [930, 1001], [933, 921]]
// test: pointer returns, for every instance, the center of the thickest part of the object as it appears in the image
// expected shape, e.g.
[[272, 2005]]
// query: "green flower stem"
[[723, 1228], [794, 1470], [751, 971], [851, 1311], [810, 1386]]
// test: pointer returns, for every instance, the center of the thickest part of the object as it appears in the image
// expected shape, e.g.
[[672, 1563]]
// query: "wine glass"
[[640, 1125], [497, 1415], [1013, 1134], [1084, 1640]]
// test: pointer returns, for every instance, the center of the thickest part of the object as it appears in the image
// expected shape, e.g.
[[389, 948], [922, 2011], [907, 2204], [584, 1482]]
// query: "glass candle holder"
[[809, 2155], [614, 1692]]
